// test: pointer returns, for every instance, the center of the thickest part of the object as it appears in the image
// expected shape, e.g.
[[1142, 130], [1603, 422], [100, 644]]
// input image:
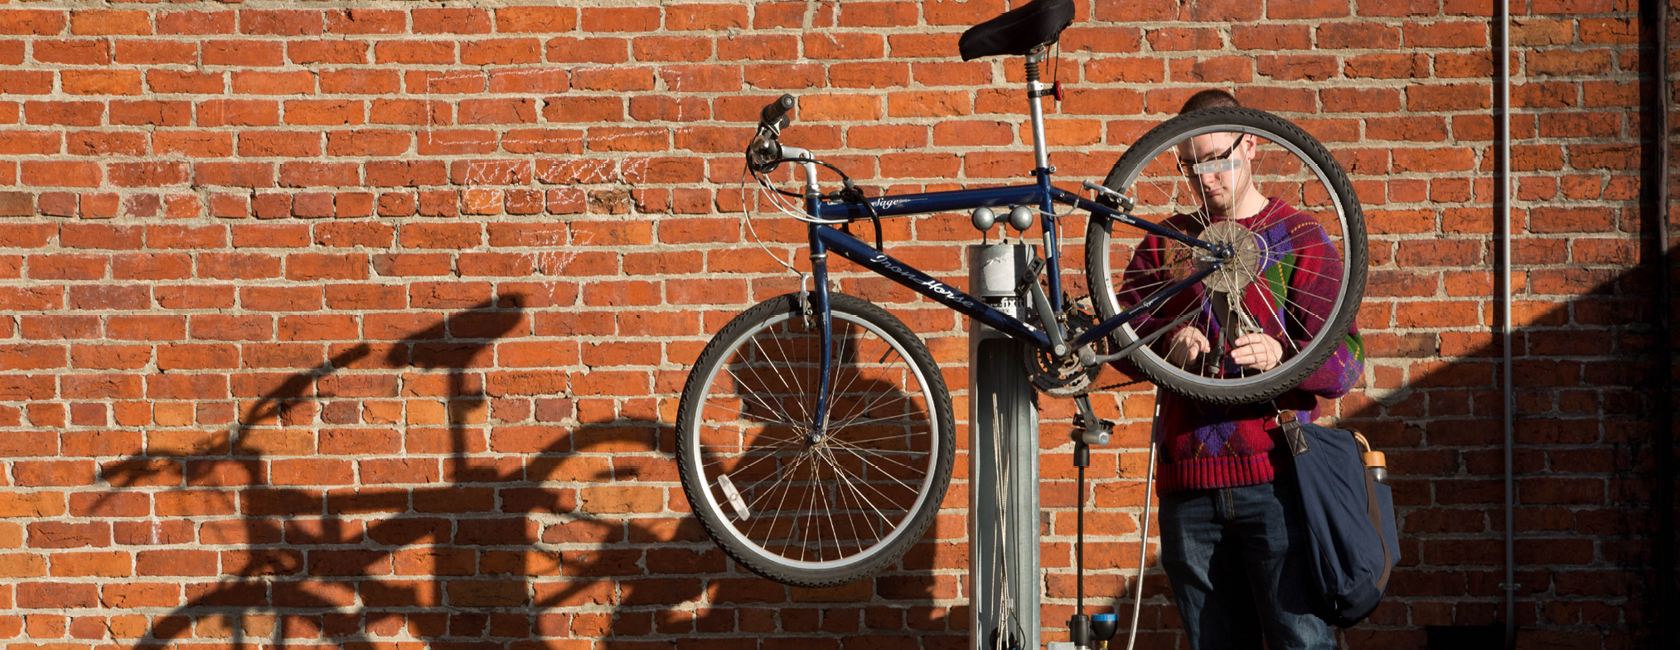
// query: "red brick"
[[231, 112], [32, 21], [94, 22], [57, 595], [243, 53], [171, 81], [280, 22], [27, 82], [73, 174], [619, 19], [155, 113], [414, 52], [565, 49], [536, 19], [196, 22], [312, 174], [72, 52], [497, 111], [146, 174], [358, 80], [152, 52], [830, 45], [64, 113], [366, 21]]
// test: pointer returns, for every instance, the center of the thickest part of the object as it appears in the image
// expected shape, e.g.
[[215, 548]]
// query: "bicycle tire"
[[856, 501], [1287, 165]]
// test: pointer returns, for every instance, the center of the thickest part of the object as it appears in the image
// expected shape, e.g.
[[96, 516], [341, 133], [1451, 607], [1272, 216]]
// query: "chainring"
[[1066, 377]]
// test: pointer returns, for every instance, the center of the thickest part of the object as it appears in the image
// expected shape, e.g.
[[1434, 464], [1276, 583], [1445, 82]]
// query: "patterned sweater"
[[1211, 446]]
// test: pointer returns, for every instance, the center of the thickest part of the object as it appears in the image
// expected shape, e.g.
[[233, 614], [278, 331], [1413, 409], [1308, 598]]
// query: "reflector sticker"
[[734, 497]]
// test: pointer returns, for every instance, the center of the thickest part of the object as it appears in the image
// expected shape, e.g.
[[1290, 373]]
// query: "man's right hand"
[[1187, 345]]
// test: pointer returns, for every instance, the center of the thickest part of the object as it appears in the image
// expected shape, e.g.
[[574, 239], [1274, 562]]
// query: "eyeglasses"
[[1217, 164]]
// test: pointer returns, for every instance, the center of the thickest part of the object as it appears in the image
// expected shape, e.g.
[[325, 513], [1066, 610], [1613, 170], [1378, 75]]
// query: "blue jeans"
[[1237, 563]]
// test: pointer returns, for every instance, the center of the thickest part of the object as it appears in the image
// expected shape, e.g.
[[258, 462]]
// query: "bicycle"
[[814, 435]]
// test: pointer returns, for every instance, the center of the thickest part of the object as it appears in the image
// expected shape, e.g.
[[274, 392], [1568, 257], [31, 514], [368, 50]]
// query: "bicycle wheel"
[[825, 512], [1252, 181]]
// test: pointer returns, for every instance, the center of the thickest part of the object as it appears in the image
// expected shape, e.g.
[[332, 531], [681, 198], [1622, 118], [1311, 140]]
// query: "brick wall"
[[365, 325]]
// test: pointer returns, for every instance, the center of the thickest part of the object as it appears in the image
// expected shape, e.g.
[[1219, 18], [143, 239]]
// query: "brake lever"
[[764, 153]]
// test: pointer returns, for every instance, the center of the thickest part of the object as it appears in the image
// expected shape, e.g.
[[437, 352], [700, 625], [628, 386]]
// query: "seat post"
[[1035, 90]]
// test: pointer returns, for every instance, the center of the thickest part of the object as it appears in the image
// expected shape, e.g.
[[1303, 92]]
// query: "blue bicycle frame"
[[825, 238]]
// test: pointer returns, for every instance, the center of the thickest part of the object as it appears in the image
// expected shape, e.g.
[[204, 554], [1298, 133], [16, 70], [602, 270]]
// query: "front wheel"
[[1292, 267], [815, 511]]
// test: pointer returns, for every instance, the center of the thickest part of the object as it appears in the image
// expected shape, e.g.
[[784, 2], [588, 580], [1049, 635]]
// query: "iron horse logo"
[[936, 287]]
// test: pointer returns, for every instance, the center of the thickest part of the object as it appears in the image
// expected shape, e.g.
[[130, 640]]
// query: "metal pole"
[[1003, 466], [1662, 443], [1503, 198]]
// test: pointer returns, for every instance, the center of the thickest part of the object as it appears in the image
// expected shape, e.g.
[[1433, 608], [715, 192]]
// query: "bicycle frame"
[[826, 237]]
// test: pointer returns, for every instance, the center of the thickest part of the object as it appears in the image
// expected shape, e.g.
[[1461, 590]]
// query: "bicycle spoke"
[[774, 367], [852, 489], [901, 483], [863, 500]]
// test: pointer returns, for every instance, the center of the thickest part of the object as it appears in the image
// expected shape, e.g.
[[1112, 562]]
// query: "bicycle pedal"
[[1097, 434]]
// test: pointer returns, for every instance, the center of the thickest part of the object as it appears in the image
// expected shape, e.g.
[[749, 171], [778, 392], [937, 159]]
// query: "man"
[[1231, 537]]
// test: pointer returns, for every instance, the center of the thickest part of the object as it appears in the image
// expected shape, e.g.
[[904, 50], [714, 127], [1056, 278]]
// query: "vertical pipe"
[[1143, 534], [1503, 199], [1663, 438]]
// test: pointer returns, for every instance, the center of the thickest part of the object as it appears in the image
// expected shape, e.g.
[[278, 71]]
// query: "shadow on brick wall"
[[1587, 377], [472, 560]]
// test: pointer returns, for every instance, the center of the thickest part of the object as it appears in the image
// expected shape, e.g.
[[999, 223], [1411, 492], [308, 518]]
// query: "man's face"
[[1216, 165]]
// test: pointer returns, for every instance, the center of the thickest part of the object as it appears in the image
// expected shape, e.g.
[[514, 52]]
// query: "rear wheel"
[[1297, 265], [804, 512]]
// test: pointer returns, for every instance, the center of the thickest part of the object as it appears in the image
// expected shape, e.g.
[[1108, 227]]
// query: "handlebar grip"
[[774, 112]]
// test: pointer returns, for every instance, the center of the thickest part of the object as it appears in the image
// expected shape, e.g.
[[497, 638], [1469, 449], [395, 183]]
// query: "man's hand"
[[1252, 351], [1186, 346], [1257, 352]]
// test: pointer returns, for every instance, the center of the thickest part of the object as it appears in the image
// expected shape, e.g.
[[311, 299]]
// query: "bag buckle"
[[1292, 434]]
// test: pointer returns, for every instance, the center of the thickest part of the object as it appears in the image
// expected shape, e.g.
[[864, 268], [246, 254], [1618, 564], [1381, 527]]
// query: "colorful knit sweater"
[[1211, 446]]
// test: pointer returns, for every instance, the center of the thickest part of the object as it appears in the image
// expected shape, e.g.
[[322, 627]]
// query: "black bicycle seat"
[[1018, 30]]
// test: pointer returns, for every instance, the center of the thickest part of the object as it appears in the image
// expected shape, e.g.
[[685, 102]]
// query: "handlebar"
[[764, 150], [774, 114]]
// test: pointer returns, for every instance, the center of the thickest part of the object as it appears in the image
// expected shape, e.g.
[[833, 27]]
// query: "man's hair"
[[1208, 99]]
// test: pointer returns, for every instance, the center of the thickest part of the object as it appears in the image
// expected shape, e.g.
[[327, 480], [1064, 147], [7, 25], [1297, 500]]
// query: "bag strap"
[[1290, 424]]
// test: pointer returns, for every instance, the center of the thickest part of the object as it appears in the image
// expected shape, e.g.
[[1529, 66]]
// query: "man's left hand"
[[1257, 352]]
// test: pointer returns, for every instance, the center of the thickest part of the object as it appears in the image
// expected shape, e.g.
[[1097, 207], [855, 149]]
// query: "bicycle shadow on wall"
[[343, 563], [506, 524]]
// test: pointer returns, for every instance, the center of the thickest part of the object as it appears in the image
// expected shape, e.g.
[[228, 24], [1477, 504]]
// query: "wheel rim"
[[835, 504], [1281, 170]]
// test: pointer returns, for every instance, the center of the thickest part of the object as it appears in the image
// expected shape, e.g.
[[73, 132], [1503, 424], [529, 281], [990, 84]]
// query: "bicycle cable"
[[1143, 534], [746, 215]]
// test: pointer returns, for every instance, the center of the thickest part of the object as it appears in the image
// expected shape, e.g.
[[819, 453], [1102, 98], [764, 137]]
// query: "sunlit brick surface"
[[364, 323]]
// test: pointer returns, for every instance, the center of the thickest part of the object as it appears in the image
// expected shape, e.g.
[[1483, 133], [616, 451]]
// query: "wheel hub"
[[1241, 253]]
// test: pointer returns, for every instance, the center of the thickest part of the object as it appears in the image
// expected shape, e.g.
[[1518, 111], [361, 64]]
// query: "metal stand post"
[[1003, 466]]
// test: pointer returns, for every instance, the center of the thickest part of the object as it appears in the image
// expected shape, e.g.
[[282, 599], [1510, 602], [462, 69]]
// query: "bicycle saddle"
[[1018, 30]]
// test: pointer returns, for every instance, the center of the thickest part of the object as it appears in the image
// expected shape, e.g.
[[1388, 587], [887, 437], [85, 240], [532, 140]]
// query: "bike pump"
[[1003, 573]]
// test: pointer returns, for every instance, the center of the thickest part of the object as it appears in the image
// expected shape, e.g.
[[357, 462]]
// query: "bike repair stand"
[[1003, 519], [1004, 514]]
